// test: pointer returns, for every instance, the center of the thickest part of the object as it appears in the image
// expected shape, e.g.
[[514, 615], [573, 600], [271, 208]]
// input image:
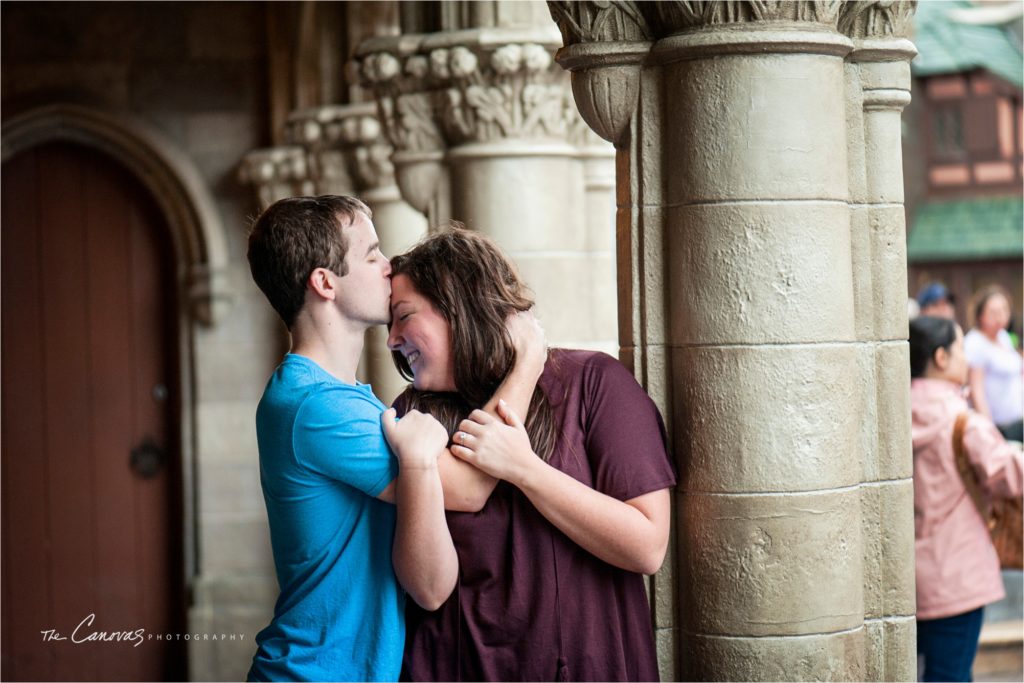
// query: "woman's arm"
[[632, 534], [998, 463], [423, 554], [466, 488], [976, 383]]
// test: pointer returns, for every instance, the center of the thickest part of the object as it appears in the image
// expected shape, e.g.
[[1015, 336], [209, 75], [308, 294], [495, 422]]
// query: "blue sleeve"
[[338, 435]]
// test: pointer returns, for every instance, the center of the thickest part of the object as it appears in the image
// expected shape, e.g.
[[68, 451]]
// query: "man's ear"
[[321, 282]]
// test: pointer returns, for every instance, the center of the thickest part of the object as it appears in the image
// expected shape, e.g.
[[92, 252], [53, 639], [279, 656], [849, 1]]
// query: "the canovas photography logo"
[[87, 631]]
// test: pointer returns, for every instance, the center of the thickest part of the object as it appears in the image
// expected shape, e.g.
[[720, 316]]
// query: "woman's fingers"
[[509, 415], [464, 439], [471, 426]]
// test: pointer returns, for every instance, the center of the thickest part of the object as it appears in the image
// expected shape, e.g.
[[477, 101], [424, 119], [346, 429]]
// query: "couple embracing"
[[517, 495]]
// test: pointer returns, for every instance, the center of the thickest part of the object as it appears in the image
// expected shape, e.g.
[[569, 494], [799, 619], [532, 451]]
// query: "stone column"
[[598, 157], [482, 124], [734, 230], [878, 88]]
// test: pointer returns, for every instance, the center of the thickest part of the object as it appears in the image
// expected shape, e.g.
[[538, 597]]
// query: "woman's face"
[[995, 315], [953, 364], [422, 335]]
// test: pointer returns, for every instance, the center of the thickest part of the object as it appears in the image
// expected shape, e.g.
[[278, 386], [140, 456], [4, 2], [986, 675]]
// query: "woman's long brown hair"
[[474, 287]]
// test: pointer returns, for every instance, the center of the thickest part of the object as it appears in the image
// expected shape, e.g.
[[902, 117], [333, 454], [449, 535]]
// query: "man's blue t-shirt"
[[323, 459]]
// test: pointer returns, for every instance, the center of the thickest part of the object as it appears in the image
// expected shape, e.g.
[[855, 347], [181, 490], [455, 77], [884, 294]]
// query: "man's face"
[[365, 290], [939, 309]]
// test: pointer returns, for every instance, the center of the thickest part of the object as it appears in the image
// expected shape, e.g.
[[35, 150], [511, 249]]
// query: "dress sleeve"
[[624, 433], [975, 350], [338, 435], [998, 463]]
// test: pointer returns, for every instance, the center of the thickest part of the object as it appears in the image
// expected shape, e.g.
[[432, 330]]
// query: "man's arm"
[[466, 488], [423, 555]]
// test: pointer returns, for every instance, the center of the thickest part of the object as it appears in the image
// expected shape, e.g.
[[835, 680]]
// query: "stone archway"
[[199, 240], [196, 234]]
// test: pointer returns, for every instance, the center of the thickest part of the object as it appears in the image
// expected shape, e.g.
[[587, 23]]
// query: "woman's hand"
[[631, 534], [501, 449]]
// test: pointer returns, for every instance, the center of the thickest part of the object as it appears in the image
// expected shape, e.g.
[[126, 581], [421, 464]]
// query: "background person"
[[550, 584], [956, 564], [936, 300], [996, 368]]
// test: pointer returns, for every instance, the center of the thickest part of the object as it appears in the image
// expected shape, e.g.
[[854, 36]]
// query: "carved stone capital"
[[474, 86], [674, 16], [345, 145], [872, 19], [276, 173], [592, 21], [509, 91], [406, 87], [605, 43]]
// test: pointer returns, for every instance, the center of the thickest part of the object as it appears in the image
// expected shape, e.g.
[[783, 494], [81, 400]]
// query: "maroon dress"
[[530, 604]]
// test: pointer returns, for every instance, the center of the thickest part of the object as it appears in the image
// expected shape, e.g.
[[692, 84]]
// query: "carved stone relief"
[[599, 20], [877, 18], [683, 14], [277, 172], [442, 97]]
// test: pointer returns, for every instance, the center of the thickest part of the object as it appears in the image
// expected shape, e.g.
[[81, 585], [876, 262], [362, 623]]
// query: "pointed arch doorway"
[[91, 472]]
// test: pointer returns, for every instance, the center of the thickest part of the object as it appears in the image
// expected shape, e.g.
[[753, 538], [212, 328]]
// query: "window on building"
[[948, 133]]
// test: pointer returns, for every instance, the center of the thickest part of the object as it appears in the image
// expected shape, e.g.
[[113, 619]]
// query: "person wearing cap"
[[937, 301]]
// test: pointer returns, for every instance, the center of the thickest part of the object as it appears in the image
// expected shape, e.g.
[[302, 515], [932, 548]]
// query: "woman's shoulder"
[[570, 362], [592, 372]]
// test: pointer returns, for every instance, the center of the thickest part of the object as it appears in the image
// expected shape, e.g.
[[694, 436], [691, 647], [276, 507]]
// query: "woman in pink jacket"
[[957, 567]]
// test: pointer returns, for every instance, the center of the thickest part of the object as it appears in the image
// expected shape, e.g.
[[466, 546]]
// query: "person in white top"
[[996, 368]]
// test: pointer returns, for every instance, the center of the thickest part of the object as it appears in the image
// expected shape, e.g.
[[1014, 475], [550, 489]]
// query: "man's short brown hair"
[[294, 237]]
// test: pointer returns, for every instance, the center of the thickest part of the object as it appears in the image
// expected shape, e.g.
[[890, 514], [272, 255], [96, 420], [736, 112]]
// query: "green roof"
[[967, 230], [946, 46]]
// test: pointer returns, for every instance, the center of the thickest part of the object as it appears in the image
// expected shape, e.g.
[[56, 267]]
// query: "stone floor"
[[1001, 650]]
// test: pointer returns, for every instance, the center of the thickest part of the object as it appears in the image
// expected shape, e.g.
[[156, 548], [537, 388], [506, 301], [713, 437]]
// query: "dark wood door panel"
[[87, 335]]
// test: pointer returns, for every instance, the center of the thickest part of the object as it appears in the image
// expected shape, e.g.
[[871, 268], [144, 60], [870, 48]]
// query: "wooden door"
[[88, 375]]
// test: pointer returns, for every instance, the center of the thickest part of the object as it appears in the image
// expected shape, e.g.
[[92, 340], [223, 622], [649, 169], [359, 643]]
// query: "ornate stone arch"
[[197, 233]]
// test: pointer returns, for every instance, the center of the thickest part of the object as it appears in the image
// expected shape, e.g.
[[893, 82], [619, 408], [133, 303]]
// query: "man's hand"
[[417, 439], [528, 339]]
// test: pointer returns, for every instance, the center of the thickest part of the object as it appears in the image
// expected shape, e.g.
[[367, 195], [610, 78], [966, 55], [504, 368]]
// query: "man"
[[341, 549], [937, 301]]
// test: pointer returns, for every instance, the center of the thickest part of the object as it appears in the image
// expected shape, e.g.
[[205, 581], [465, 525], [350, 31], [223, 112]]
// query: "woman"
[[550, 570], [957, 567], [995, 366]]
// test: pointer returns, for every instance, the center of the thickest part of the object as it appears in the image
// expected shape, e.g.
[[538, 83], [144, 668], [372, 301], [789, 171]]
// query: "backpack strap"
[[967, 475]]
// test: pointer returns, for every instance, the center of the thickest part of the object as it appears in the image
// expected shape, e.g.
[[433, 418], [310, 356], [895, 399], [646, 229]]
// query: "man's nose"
[[387, 267]]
